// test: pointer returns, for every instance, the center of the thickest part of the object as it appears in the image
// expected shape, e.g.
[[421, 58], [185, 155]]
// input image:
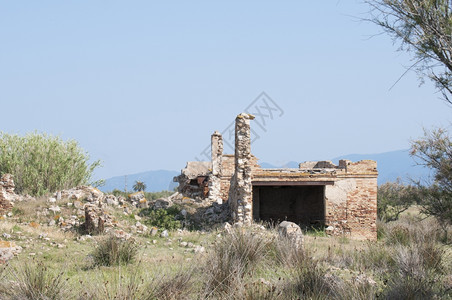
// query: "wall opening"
[[304, 205]]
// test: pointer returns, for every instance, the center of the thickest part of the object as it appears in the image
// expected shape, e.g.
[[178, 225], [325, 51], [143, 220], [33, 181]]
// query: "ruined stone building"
[[342, 198]]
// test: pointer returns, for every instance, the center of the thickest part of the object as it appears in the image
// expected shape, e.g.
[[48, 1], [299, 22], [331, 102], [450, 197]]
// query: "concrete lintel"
[[291, 183]]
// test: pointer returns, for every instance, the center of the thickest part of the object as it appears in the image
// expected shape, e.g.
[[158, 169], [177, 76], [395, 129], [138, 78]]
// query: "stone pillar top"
[[245, 116], [216, 133]]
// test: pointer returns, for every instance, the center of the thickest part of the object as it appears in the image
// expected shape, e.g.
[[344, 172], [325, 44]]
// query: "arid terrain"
[[53, 257]]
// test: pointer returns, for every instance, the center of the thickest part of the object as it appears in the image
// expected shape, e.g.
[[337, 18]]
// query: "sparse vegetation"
[[35, 281], [434, 151], [394, 198], [409, 258]]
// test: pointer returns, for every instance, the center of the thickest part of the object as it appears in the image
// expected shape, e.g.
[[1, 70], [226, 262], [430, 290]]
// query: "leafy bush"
[[42, 163], [162, 218], [114, 251]]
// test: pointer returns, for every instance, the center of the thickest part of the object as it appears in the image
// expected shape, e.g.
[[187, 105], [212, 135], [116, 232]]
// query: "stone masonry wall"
[[240, 194], [215, 178]]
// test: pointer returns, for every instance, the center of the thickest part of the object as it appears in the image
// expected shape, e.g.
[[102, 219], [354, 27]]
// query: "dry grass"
[[409, 259], [35, 281]]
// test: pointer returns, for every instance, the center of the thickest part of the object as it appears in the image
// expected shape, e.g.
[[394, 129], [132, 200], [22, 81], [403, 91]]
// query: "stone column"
[[217, 157], [217, 153], [241, 187]]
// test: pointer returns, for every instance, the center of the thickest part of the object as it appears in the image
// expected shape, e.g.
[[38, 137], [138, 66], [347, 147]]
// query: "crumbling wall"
[[194, 180], [6, 193], [351, 203], [240, 194]]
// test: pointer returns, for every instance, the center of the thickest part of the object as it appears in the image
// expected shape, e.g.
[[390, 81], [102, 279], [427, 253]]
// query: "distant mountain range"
[[155, 181], [391, 165]]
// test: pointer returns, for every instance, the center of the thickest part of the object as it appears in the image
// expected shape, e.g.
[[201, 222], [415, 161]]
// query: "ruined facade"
[[342, 198]]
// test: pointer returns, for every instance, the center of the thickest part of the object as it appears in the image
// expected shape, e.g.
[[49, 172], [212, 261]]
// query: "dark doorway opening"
[[304, 205]]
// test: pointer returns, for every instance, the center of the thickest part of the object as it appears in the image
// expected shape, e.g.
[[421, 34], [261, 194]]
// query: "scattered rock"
[[78, 204], [111, 200], [54, 209], [162, 203], [8, 250], [154, 231], [227, 227], [141, 228], [88, 193], [164, 233], [291, 231], [199, 249], [121, 234]]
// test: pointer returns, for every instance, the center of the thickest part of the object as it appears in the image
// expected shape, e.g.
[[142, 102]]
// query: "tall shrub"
[[43, 163]]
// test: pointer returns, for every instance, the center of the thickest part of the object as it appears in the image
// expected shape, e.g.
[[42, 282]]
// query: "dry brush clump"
[[134, 283], [238, 253], [35, 281], [113, 251]]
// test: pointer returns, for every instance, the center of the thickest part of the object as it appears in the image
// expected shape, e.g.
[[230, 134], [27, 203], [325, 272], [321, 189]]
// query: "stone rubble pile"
[[8, 195], [96, 219]]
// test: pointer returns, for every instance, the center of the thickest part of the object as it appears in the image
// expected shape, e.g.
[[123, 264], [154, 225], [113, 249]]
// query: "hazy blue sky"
[[142, 84]]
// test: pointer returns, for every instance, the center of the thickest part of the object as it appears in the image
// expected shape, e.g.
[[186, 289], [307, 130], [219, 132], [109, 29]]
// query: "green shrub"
[[114, 251], [42, 163], [162, 218]]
